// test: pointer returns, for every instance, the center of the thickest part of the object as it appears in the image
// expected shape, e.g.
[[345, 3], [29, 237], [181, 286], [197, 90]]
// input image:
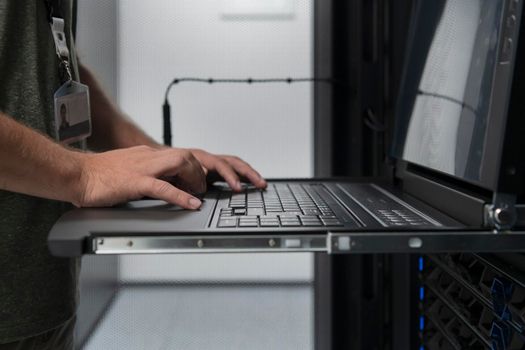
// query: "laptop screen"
[[444, 104]]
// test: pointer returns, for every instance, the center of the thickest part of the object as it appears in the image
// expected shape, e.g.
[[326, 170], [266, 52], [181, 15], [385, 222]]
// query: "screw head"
[[503, 216], [200, 243]]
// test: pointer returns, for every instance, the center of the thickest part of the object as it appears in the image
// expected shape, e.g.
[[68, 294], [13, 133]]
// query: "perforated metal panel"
[[207, 317], [470, 301]]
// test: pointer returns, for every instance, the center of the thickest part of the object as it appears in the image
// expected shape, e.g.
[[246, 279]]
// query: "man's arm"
[[112, 130], [33, 164]]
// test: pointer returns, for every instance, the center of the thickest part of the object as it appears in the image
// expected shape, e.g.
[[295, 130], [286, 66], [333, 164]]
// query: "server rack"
[[360, 43], [394, 301]]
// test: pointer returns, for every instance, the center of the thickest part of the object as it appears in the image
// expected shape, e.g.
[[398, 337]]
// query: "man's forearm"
[[32, 164], [111, 128]]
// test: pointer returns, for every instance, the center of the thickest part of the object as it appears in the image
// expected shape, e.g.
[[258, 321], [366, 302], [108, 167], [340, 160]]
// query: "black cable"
[[246, 81], [450, 99], [166, 109]]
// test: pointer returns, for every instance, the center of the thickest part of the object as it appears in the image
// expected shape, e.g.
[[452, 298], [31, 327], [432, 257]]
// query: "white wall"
[[270, 126], [96, 40]]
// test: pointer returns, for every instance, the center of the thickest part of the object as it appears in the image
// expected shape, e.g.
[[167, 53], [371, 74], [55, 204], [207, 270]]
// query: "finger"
[[187, 170], [244, 169], [195, 175], [162, 190], [229, 175]]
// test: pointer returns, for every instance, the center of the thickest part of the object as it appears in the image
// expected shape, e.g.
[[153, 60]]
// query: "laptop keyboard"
[[281, 205]]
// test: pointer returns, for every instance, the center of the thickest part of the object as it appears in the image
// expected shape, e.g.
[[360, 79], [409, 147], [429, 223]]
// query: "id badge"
[[72, 112]]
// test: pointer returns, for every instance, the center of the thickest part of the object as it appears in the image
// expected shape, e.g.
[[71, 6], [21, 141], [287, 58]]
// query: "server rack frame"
[[359, 43]]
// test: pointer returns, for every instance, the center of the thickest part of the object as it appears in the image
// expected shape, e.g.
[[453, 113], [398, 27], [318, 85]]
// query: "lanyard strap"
[[56, 22]]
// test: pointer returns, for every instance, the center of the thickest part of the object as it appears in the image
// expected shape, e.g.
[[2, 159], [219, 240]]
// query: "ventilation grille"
[[470, 301]]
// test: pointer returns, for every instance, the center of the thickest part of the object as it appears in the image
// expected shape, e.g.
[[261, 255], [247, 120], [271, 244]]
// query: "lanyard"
[[56, 22]]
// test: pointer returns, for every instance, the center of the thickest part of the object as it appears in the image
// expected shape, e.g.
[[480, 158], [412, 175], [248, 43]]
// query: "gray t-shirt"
[[37, 291]]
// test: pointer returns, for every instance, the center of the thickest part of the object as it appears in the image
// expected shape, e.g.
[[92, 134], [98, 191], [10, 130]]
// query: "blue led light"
[[421, 266]]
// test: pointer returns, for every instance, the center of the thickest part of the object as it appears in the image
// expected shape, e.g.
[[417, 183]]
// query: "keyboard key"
[[310, 220], [290, 223], [285, 216], [240, 211], [267, 223], [274, 209], [288, 217], [255, 211], [248, 224], [312, 223], [226, 212], [248, 221], [237, 205], [331, 222], [227, 222], [255, 205], [269, 218], [308, 217]]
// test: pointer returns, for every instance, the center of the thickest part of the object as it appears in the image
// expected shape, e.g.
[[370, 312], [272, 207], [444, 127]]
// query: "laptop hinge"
[[502, 213]]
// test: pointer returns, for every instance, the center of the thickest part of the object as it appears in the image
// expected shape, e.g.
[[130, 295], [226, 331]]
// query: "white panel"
[[293, 267]]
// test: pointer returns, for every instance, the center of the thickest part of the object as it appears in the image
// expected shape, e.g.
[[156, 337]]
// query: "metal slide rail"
[[332, 243]]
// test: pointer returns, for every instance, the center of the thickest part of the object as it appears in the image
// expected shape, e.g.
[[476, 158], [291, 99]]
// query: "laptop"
[[458, 177]]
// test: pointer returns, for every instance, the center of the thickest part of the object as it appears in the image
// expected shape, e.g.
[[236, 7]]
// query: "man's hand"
[[230, 168], [33, 164], [132, 173]]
